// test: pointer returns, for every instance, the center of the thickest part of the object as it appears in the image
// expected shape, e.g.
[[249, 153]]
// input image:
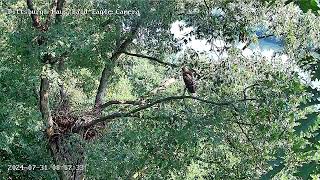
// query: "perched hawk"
[[188, 80]]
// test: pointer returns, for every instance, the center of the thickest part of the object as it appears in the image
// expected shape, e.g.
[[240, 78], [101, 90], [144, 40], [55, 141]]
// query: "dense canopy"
[[97, 89]]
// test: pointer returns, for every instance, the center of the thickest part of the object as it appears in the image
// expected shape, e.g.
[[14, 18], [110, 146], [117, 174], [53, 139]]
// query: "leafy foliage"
[[257, 119], [306, 132]]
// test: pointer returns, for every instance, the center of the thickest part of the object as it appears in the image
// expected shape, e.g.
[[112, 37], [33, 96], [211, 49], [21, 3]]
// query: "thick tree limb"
[[44, 86], [115, 115], [35, 18], [44, 104], [150, 58], [50, 14], [59, 9], [107, 71], [44, 98]]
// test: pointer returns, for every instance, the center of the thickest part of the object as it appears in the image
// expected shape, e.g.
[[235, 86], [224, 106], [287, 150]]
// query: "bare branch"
[[126, 42], [236, 115], [141, 100], [150, 58], [233, 146]]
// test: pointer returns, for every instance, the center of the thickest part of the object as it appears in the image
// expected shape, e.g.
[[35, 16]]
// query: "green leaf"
[[306, 170], [277, 165], [316, 138], [309, 103], [305, 5], [305, 124], [275, 170]]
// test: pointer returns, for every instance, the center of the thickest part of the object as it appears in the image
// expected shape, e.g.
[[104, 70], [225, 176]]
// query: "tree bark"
[[68, 154], [108, 69], [35, 18], [106, 73], [59, 10], [44, 98]]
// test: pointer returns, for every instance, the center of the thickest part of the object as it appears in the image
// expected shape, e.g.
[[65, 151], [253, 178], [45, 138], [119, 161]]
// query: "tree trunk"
[[106, 73], [67, 148], [68, 153], [108, 69]]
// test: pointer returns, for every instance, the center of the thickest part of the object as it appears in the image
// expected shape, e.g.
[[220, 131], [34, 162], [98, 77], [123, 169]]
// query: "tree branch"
[[35, 18], [107, 71], [44, 104], [115, 115], [56, 4], [150, 58], [113, 102], [248, 138], [162, 86], [59, 9], [248, 87], [50, 14], [205, 3], [239, 123]]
